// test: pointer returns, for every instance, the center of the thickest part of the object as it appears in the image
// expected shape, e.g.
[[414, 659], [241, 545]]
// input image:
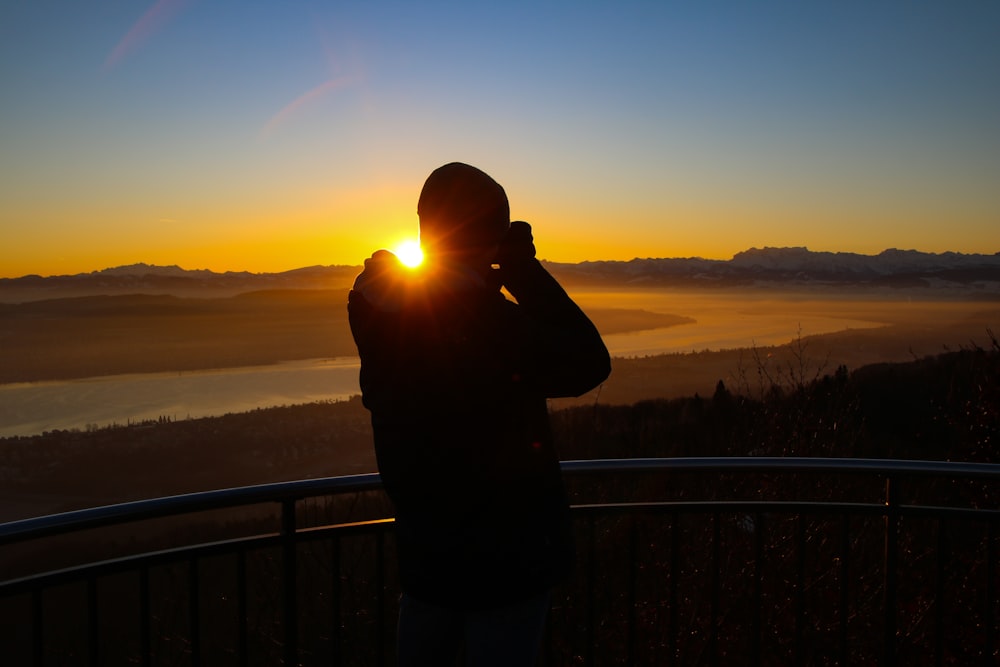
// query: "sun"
[[410, 254]]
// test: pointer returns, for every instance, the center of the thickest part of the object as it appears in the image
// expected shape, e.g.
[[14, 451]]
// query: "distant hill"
[[149, 279], [801, 267], [961, 274]]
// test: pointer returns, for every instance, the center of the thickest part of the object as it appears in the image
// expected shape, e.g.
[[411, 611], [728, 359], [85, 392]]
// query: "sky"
[[268, 136]]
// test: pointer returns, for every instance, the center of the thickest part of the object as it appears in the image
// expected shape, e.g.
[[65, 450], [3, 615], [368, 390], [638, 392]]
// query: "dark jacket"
[[456, 377]]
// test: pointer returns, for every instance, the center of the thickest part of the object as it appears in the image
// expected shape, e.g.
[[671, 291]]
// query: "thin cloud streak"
[[155, 18], [305, 99]]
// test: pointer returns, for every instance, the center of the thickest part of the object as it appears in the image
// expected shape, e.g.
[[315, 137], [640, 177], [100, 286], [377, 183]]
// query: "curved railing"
[[681, 561]]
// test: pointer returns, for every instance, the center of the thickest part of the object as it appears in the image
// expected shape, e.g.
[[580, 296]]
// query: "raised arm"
[[570, 357]]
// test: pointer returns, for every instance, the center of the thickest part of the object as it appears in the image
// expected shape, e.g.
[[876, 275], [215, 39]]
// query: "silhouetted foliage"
[[70, 469], [945, 407], [821, 580]]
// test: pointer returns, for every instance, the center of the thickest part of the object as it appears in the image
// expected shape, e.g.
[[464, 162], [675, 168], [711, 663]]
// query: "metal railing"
[[681, 561]]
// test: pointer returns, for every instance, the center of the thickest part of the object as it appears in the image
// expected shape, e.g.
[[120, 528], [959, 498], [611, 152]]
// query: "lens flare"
[[410, 254]]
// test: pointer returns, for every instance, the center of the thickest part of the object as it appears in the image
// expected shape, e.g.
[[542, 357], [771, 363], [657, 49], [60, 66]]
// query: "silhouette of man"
[[456, 377]]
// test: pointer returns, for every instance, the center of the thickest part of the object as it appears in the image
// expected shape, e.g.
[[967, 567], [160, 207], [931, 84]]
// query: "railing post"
[[380, 602], [93, 621], [242, 613], [675, 547], [991, 590], [800, 589], [756, 638], [939, 592], [715, 602], [288, 527], [38, 624], [591, 600], [845, 587], [194, 595], [335, 594], [891, 563], [633, 616], [145, 611]]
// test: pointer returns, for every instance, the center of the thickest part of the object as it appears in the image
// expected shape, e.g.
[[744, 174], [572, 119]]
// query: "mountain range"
[[801, 267], [796, 267]]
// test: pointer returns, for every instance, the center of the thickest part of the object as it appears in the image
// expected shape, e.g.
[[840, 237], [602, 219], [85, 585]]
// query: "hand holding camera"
[[517, 246]]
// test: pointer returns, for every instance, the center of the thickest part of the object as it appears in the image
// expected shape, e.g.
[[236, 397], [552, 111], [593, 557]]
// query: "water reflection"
[[31, 408], [35, 407]]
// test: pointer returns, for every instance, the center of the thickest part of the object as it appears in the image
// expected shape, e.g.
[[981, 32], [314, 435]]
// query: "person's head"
[[463, 213]]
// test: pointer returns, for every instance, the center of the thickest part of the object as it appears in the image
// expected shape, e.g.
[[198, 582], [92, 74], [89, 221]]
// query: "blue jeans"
[[508, 636]]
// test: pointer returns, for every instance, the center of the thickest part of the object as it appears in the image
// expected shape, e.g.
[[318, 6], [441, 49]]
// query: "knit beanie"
[[461, 209]]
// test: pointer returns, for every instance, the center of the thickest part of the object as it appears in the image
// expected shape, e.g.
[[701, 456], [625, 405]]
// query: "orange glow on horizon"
[[324, 226]]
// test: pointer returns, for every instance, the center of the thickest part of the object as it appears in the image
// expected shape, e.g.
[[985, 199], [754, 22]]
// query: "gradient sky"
[[270, 136]]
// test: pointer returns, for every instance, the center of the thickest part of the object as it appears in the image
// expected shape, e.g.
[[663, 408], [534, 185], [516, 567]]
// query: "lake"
[[34, 407]]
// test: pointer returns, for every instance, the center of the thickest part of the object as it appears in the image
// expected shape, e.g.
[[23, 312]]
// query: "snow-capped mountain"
[[887, 262], [799, 266]]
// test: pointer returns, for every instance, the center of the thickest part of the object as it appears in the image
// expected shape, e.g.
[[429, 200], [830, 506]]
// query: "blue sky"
[[267, 136]]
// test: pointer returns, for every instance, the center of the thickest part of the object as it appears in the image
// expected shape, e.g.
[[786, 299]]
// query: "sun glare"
[[410, 254]]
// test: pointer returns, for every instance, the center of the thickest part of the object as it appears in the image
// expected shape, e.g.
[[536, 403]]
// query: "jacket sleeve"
[[570, 358]]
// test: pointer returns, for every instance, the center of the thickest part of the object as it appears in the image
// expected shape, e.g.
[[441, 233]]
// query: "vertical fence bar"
[[633, 566], [591, 574], [713, 630], [242, 615], [675, 547], [939, 592], [758, 591], [145, 620], [891, 562], [991, 593], [290, 581], [845, 587], [38, 625], [336, 593], [93, 622], [194, 595], [800, 588], [380, 601]]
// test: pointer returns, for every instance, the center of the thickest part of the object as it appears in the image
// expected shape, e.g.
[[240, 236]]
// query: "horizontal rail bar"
[[791, 507], [785, 464], [198, 550], [140, 510]]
